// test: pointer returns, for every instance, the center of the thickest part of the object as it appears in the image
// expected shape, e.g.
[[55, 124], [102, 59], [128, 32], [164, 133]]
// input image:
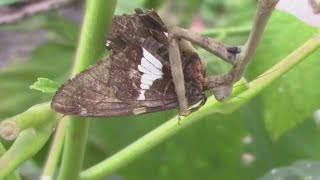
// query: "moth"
[[136, 77]]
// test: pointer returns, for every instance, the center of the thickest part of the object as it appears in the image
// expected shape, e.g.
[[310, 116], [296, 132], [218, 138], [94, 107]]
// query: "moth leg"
[[165, 91], [198, 106], [177, 75]]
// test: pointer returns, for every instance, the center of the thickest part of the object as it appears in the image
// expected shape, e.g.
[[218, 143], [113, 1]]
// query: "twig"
[[11, 14]]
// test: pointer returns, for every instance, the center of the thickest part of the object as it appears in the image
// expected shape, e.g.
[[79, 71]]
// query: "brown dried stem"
[[12, 14]]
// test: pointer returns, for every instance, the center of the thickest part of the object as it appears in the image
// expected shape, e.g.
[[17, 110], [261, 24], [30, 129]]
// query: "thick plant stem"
[[171, 127], [11, 127], [74, 148], [28, 143], [13, 176], [55, 150], [91, 45]]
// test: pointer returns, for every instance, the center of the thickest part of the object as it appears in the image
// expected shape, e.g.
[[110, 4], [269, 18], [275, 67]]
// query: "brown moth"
[[136, 77]]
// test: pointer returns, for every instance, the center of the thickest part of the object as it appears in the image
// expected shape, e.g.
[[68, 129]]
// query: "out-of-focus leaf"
[[153, 4], [294, 96], [303, 169], [190, 6], [301, 142], [220, 13], [45, 85], [124, 6], [212, 148], [66, 31], [52, 60], [31, 23], [7, 2]]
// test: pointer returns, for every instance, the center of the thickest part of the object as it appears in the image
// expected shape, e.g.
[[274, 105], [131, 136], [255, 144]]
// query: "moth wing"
[[91, 94], [135, 79]]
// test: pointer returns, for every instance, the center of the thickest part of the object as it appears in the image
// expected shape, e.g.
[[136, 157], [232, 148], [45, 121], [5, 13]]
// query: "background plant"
[[275, 128]]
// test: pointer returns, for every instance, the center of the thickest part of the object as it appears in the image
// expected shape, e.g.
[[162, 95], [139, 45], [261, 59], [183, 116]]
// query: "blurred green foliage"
[[6, 2], [275, 129], [298, 170]]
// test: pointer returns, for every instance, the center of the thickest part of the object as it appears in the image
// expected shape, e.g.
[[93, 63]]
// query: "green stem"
[[28, 143], [36, 115], [171, 127], [55, 150], [13, 176], [140, 146], [74, 148], [97, 20], [2, 149]]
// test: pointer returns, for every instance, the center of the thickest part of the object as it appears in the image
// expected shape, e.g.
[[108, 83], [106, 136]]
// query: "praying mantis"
[[239, 57]]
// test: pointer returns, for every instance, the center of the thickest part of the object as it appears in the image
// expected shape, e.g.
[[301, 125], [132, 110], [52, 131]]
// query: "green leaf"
[[293, 97], [303, 169], [45, 85]]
